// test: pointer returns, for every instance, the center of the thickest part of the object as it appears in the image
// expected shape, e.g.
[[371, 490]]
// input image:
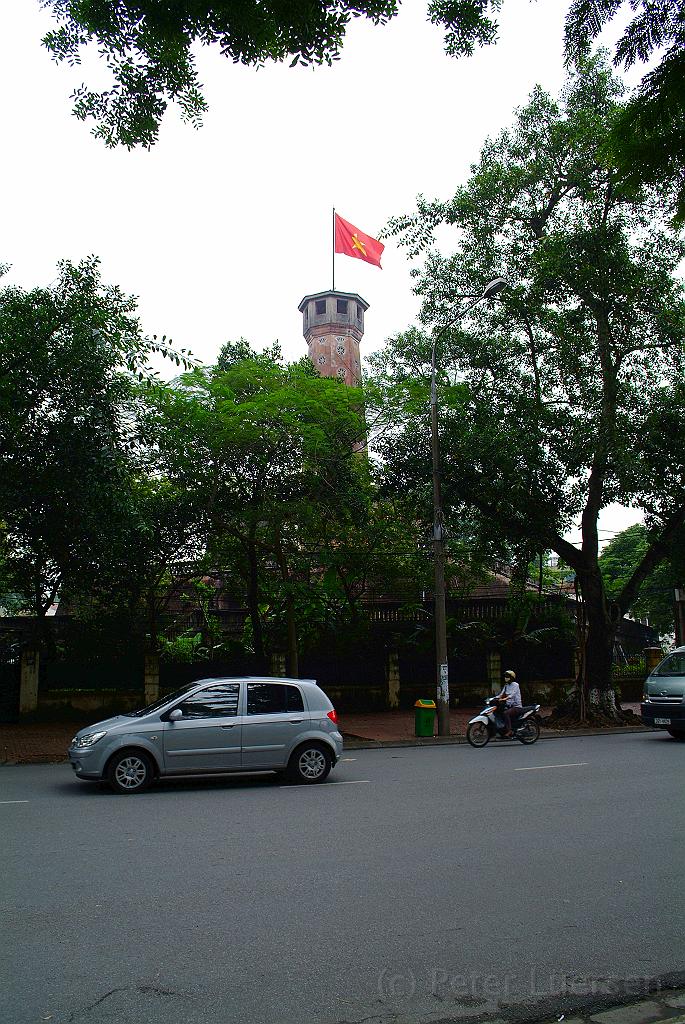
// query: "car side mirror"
[[175, 715]]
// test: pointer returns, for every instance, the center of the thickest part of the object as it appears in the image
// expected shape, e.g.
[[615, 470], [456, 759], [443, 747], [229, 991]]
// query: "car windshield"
[[673, 666], [156, 705]]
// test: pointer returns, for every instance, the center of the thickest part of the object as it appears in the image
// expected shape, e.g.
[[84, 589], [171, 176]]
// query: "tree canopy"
[[148, 47], [646, 141], [69, 356], [618, 562], [267, 452], [561, 396]]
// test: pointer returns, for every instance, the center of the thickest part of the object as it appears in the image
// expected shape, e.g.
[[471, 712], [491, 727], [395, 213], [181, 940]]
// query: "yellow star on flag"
[[358, 244]]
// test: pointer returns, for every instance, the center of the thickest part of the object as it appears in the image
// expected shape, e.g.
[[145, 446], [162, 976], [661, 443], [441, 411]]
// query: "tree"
[[646, 142], [267, 450], [148, 48], [655, 599], [69, 355], [565, 393]]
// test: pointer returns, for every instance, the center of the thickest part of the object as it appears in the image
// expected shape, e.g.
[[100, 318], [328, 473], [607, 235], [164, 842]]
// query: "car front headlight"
[[88, 740]]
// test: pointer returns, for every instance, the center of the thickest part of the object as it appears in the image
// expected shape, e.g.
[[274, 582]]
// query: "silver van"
[[212, 727], [663, 703]]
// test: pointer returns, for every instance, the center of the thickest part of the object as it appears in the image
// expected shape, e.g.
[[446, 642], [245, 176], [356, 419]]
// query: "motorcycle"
[[490, 723]]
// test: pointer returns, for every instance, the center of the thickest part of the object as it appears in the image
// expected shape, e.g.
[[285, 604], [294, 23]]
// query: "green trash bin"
[[424, 718]]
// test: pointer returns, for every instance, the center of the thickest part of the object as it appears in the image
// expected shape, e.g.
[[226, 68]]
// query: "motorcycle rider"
[[511, 692]]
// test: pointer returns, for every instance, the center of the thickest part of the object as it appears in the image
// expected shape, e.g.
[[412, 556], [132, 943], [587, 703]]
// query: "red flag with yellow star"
[[350, 241]]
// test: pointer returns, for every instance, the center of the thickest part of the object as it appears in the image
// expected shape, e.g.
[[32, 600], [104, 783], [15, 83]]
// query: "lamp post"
[[442, 670]]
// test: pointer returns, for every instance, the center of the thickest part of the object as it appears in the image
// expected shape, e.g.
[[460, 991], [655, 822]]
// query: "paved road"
[[380, 896]]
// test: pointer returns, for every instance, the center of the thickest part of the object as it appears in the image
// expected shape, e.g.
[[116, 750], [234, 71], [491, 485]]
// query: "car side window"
[[266, 698], [293, 699], [219, 701]]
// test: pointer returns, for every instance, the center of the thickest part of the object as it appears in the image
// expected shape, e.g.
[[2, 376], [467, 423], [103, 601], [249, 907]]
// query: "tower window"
[[322, 341], [341, 373], [321, 360], [342, 306], [359, 314], [320, 307], [340, 349]]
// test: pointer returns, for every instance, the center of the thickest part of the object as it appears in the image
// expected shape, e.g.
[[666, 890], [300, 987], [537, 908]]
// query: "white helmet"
[[510, 675]]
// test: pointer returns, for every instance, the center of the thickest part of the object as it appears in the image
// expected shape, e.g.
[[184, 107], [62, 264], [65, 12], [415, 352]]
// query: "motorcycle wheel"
[[477, 734], [530, 731]]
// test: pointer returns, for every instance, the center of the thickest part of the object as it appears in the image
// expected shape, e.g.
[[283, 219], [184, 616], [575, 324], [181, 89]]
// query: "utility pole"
[[442, 666], [443, 688]]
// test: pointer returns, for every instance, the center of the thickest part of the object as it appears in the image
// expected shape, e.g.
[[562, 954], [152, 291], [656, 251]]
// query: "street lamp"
[[442, 670]]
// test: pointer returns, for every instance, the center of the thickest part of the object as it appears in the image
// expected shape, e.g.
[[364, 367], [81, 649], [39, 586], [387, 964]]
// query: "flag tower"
[[333, 327]]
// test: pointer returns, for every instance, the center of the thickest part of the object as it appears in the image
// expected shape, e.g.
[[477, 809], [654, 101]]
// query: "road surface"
[[417, 885]]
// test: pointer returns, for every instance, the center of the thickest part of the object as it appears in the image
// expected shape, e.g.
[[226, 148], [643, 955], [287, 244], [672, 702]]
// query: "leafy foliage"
[[553, 398], [267, 451], [655, 600], [69, 357], [646, 141], [467, 23], [148, 49]]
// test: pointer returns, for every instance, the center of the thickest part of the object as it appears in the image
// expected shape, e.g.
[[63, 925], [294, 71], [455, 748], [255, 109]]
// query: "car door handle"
[[295, 721], [227, 726]]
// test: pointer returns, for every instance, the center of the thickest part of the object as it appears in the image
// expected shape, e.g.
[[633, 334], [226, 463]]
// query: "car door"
[[274, 717], [208, 736]]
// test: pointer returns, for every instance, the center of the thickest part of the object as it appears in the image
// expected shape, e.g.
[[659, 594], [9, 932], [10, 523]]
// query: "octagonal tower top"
[[333, 327]]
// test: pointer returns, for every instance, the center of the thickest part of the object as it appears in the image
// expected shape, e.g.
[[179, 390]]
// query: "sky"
[[221, 232]]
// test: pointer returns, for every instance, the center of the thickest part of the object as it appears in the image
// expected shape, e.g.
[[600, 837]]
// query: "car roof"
[[254, 679]]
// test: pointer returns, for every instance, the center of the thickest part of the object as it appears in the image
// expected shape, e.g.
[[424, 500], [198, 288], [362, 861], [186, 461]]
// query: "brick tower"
[[333, 327]]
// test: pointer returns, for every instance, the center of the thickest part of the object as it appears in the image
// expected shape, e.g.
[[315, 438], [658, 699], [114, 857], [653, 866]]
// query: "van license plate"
[[662, 721]]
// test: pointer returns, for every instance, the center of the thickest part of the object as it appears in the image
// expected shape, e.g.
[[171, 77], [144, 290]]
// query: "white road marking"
[[13, 801], [348, 758], [539, 767], [353, 782]]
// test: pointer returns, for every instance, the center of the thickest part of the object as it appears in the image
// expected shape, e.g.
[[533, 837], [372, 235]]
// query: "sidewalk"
[[47, 742], [664, 1005], [390, 727]]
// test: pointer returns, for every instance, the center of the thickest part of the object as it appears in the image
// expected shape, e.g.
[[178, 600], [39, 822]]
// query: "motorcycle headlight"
[[88, 739]]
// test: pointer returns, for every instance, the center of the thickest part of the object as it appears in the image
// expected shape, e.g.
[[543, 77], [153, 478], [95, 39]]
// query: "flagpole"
[[333, 248]]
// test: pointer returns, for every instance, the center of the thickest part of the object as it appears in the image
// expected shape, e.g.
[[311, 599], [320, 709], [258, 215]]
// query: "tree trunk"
[[594, 699], [599, 652], [602, 622]]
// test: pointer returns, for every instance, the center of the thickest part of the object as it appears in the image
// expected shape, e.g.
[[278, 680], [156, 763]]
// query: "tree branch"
[[570, 554], [654, 554]]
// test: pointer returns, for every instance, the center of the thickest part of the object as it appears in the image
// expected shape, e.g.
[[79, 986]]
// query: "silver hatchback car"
[[211, 727]]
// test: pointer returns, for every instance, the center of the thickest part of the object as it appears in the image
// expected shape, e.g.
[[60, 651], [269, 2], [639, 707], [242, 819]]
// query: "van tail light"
[[333, 715]]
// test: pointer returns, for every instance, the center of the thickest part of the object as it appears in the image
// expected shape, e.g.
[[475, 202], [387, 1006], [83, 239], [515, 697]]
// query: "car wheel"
[[310, 764], [677, 734], [131, 771]]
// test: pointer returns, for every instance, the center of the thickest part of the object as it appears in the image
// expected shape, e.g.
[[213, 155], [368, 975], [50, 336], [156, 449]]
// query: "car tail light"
[[333, 715]]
